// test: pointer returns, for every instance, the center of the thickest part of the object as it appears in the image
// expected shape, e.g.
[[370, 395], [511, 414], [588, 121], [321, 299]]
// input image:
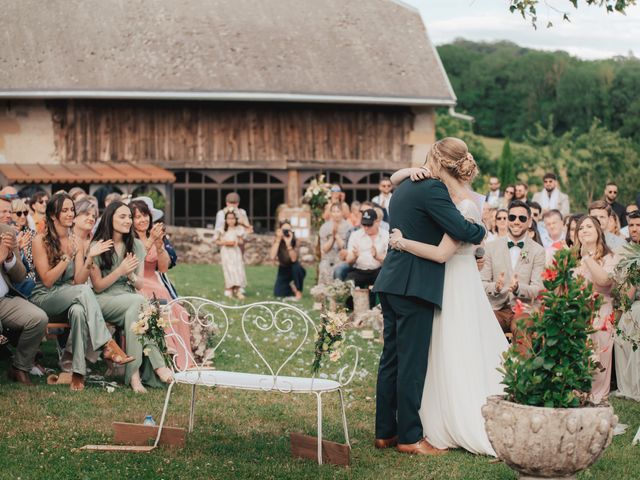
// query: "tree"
[[506, 170], [528, 8]]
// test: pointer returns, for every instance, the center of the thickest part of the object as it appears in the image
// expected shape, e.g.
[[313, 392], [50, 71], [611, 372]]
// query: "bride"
[[467, 342]]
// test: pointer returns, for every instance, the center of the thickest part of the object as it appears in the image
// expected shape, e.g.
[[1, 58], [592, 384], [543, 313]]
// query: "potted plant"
[[545, 426]]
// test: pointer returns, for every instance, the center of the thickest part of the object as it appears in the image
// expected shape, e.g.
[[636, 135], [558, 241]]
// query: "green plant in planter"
[[556, 369]]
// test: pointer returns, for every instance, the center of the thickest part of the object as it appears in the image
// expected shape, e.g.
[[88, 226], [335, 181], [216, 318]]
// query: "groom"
[[410, 288]]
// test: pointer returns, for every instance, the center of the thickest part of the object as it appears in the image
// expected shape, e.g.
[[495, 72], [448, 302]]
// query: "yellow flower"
[[146, 351], [140, 327]]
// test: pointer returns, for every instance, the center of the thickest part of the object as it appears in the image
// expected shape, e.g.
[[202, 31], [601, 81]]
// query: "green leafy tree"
[[506, 169]]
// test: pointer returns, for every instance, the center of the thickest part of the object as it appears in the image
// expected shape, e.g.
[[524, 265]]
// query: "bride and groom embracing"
[[442, 343]]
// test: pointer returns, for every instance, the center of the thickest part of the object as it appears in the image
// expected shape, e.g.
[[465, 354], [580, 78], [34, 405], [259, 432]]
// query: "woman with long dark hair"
[[597, 264], [290, 278], [63, 268], [118, 275]]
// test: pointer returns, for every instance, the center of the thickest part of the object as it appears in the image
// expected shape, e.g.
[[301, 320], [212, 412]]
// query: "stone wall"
[[196, 245]]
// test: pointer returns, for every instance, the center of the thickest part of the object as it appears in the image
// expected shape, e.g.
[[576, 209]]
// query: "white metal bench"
[[282, 319]]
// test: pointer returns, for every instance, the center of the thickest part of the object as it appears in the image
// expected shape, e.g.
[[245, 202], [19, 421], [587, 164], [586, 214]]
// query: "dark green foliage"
[[506, 170], [508, 88], [557, 370]]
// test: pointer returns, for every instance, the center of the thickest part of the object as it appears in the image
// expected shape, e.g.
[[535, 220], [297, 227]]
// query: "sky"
[[591, 34]]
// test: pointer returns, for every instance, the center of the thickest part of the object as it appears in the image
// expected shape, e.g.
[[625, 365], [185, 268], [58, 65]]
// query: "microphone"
[[479, 252]]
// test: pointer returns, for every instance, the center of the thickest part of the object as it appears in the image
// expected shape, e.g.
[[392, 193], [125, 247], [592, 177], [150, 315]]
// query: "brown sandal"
[[113, 352], [77, 382]]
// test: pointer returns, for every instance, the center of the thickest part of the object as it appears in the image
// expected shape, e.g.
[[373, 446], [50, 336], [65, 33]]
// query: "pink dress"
[[152, 285], [605, 331]]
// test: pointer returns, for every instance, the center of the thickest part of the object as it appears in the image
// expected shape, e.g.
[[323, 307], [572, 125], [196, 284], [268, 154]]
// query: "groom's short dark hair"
[[520, 203]]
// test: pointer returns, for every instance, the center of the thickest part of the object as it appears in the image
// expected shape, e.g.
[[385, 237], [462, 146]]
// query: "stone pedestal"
[[540, 442]]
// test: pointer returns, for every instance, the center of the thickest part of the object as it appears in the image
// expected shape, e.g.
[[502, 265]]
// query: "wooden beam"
[[137, 434], [305, 446]]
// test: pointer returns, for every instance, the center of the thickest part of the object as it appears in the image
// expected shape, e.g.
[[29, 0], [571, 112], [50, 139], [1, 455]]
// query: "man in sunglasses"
[[513, 267], [611, 197]]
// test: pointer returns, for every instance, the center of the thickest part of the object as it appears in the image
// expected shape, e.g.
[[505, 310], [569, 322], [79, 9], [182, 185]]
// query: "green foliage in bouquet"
[[556, 368], [330, 337], [626, 278], [150, 329], [317, 196]]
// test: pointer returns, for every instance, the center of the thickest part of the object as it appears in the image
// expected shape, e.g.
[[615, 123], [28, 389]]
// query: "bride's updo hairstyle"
[[453, 155]]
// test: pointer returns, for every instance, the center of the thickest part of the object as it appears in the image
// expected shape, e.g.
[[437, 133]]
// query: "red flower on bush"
[[549, 274], [519, 307]]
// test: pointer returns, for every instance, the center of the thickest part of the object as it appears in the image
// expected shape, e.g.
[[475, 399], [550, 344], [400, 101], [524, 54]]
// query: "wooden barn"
[[199, 98]]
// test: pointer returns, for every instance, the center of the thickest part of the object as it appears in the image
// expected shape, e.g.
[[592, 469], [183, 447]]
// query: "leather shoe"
[[19, 376], [386, 442], [421, 447]]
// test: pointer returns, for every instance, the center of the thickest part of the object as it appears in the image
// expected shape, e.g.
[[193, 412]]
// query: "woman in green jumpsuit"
[[62, 272], [118, 275]]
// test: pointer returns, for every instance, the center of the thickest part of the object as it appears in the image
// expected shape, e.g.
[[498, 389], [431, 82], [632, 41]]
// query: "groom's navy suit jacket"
[[423, 211]]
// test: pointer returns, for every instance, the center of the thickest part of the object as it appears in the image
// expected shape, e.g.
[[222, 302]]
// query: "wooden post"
[[293, 188]]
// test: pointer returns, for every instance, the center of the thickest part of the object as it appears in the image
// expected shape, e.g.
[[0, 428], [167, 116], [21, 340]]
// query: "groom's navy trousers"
[[403, 366]]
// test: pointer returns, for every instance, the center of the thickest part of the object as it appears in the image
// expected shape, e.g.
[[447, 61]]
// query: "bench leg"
[[344, 419], [319, 395], [192, 410], [164, 413]]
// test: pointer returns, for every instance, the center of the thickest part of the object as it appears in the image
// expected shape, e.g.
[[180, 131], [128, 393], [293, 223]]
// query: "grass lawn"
[[237, 434]]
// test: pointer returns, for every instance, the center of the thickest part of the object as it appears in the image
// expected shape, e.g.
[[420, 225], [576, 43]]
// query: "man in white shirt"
[[555, 230], [551, 198], [367, 249], [494, 197], [384, 197]]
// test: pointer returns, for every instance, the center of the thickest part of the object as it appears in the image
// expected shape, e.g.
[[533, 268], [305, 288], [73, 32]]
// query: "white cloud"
[[592, 33]]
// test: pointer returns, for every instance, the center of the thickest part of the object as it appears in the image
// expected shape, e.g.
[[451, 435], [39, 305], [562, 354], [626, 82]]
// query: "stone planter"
[[541, 442]]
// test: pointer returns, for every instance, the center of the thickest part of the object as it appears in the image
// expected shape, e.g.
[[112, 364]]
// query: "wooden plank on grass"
[[118, 448], [305, 446], [137, 434]]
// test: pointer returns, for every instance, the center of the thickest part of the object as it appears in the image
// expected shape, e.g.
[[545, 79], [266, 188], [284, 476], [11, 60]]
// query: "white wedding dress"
[[466, 349]]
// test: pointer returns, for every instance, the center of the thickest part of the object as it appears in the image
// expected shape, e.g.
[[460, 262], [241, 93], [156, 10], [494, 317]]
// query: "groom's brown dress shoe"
[[386, 442], [421, 447], [19, 376]]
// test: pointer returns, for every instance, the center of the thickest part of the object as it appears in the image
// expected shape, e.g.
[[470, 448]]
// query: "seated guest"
[[333, 234], [597, 264], [513, 267], [337, 196], [354, 216], [380, 214], [627, 361], [290, 278], [551, 198], [19, 218], [624, 231], [341, 270], [85, 221], [555, 233], [38, 204], [499, 225], [570, 228], [509, 194], [536, 216], [601, 210], [16, 313], [157, 259], [118, 273], [367, 249], [533, 232], [63, 269]]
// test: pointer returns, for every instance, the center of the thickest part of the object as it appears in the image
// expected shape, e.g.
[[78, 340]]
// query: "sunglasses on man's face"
[[19, 214], [522, 218]]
